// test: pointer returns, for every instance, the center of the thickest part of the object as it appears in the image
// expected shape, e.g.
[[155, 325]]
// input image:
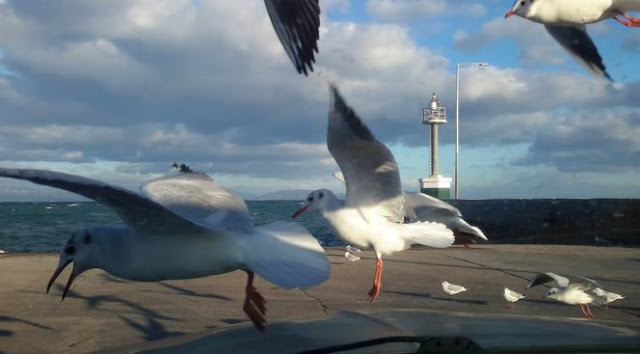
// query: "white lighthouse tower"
[[435, 185]]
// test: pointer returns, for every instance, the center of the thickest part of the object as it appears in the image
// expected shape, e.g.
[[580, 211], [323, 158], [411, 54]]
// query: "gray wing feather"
[[297, 23], [370, 171], [577, 42], [195, 196], [136, 211]]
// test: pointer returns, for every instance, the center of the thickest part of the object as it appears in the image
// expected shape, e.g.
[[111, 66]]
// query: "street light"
[[457, 116]]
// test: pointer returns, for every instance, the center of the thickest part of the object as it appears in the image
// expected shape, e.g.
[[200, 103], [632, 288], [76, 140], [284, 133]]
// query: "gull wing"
[[297, 25], [369, 169], [138, 212], [577, 42], [195, 196], [544, 278]]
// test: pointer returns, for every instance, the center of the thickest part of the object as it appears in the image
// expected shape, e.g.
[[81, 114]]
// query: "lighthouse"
[[435, 184]]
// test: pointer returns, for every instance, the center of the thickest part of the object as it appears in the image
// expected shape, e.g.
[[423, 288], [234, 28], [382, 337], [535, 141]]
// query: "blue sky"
[[119, 90]]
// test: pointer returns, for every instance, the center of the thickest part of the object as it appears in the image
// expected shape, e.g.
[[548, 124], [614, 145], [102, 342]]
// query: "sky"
[[118, 90]]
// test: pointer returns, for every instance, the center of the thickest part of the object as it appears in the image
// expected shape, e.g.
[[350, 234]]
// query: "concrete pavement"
[[102, 313]]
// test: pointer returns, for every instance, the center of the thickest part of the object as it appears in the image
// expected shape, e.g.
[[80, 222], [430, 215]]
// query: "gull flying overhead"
[[422, 207], [512, 296], [452, 289], [371, 214], [577, 292], [184, 226], [566, 21], [296, 23]]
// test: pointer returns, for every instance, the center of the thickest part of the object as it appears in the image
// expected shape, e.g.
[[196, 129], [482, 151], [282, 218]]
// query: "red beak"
[[300, 211], [55, 276], [509, 14]]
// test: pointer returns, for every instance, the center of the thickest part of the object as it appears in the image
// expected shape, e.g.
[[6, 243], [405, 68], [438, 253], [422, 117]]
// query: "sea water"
[[45, 227]]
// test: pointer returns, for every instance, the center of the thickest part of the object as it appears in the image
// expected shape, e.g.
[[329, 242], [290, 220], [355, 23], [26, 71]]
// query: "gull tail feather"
[[428, 234], [462, 226], [287, 255]]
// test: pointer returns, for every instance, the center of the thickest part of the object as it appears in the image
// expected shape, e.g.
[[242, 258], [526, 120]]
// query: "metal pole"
[[457, 192]]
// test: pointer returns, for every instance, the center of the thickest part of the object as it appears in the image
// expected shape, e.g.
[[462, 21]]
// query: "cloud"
[[406, 10], [131, 86]]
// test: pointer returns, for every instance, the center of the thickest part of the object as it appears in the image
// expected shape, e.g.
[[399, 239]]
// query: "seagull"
[[578, 292], [349, 254], [608, 296], [422, 207], [566, 21], [184, 226], [297, 23], [512, 296], [371, 214], [452, 289]]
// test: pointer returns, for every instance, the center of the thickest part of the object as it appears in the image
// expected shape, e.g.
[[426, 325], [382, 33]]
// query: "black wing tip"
[[339, 105]]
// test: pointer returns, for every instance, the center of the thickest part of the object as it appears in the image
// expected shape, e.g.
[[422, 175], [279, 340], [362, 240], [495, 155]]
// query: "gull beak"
[[57, 273], [300, 211], [509, 14]]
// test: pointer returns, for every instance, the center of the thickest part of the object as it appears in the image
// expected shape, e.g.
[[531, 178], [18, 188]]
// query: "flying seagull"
[[297, 23], [422, 207], [566, 21], [371, 216], [184, 226], [578, 292]]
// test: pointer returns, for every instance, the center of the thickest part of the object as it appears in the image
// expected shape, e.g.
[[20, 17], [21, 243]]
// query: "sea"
[[36, 227]]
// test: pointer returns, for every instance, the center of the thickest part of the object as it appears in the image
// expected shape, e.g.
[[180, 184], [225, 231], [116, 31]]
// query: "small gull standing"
[[452, 289], [608, 296], [371, 214], [184, 226], [578, 292], [565, 20], [512, 296], [349, 254]]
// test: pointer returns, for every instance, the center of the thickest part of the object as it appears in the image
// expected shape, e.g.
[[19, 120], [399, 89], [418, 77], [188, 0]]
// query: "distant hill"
[[296, 194]]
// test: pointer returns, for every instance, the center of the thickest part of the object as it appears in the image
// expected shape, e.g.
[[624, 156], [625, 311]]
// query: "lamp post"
[[458, 65]]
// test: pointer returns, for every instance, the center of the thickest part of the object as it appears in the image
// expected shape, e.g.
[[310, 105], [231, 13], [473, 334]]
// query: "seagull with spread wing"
[[566, 21], [184, 226], [372, 215]]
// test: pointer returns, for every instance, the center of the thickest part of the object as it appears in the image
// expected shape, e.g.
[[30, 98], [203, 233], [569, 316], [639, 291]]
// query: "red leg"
[[583, 310], [254, 304], [377, 280], [631, 21], [589, 314]]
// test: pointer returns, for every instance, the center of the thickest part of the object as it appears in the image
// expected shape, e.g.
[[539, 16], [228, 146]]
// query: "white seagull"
[[422, 207], [296, 23], [512, 296], [452, 289], [565, 20], [579, 292], [372, 213], [184, 226]]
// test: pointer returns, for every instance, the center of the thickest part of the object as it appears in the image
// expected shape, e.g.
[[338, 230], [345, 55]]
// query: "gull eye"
[[310, 199], [522, 3], [320, 195], [70, 249]]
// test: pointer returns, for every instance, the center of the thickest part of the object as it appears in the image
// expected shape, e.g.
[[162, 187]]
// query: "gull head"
[[520, 8], [78, 250], [317, 200], [553, 293]]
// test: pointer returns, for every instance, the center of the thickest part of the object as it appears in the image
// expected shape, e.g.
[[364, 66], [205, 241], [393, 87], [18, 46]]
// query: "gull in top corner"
[[566, 21], [371, 215], [184, 226]]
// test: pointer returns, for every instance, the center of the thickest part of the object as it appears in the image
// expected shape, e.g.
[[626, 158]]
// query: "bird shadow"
[[188, 292], [151, 330], [440, 298], [9, 333]]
